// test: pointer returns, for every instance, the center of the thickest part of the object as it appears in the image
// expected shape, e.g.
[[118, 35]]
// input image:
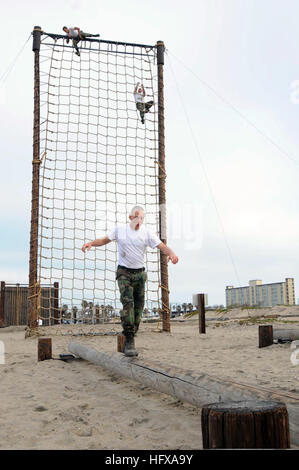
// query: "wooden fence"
[[13, 303]]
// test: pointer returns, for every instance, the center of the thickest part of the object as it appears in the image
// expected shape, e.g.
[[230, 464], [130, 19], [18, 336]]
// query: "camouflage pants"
[[75, 41], [144, 108], [131, 288]]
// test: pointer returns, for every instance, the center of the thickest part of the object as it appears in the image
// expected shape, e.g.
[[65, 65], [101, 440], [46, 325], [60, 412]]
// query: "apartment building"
[[263, 295]]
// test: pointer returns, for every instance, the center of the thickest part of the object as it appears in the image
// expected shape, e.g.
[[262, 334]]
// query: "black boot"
[[129, 348]]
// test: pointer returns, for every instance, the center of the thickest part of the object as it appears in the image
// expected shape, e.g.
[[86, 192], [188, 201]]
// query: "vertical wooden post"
[[265, 335], [2, 305], [120, 342], [33, 289], [121, 339], [44, 349], [201, 314], [56, 303], [162, 189]]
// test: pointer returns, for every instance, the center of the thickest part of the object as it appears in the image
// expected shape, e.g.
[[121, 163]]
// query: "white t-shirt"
[[132, 244], [139, 98], [73, 32]]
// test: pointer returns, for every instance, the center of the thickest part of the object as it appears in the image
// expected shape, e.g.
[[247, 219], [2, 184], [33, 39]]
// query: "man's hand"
[[173, 258], [168, 252], [86, 246]]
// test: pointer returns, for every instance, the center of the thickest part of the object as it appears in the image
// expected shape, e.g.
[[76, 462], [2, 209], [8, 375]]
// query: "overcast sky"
[[232, 132]]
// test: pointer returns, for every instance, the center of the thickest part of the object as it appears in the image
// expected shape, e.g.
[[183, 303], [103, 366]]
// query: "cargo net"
[[97, 161]]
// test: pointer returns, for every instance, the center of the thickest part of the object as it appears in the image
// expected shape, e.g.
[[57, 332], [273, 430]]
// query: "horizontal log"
[[187, 386], [286, 334]]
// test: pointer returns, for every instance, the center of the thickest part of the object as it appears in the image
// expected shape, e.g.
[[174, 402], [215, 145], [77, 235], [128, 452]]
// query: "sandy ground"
[[77, 405]]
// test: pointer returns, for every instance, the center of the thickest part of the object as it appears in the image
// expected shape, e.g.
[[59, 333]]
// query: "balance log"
[[246, 424], [286, 334]]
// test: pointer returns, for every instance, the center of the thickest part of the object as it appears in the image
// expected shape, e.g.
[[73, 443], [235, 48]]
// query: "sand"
[[77, 405]]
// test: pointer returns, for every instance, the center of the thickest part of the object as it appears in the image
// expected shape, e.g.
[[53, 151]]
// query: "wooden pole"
[[201, 314], [245, 424], [265, 335], [2, 305], [120, 342], [33, 288], [162, 189]]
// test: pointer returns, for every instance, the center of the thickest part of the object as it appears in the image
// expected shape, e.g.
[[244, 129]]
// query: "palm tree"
[[178, 309], [184, 305], [64, 312], [84, 307], [103, 310], [90, 312], [110, 310], [190, 307], [74, 313], [97, 310]]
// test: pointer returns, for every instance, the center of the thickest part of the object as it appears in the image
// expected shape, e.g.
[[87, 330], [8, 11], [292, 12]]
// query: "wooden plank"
[[196, 388]]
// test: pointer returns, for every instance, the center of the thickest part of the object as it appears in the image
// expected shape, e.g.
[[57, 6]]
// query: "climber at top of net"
[[77, 35]]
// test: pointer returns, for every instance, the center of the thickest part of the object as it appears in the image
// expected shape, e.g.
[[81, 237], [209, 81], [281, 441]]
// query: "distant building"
[[263, 295]]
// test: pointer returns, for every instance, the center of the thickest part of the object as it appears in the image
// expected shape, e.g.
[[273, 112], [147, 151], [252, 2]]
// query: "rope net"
[[97, 161]]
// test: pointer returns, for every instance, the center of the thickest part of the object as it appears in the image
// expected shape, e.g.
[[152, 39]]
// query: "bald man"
[[132, 239]]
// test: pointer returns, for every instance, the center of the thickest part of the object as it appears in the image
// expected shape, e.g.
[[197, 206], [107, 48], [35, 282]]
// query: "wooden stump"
[[121, 339], [265, 335], [44, 349], [245, 424]]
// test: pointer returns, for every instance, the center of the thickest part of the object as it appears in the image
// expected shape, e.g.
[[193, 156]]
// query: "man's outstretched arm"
[[98, 242], [168, 252]]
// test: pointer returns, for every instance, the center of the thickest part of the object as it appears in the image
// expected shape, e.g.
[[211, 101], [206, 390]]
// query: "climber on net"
[[139, 95], [77, 35]]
